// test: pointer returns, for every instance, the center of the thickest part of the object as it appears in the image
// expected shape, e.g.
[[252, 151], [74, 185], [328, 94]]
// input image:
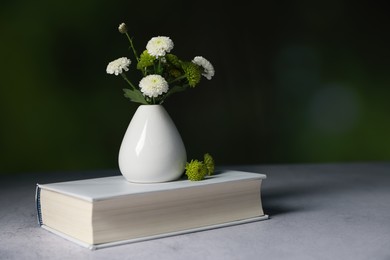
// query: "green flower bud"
[[209, 162], [195, 170], [174, 60], [146, 60], [192, 72]]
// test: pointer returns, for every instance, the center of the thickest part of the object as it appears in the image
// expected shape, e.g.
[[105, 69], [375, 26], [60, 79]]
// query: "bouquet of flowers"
[[163, 73]]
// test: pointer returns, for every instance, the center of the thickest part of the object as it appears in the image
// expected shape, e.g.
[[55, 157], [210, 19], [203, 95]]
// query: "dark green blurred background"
[[295, 82]]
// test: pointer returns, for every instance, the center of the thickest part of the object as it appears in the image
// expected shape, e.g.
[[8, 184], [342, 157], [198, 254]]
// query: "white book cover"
[[113, 186]]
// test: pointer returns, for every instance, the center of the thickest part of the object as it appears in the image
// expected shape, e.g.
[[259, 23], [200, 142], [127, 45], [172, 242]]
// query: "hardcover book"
[[102, 212]]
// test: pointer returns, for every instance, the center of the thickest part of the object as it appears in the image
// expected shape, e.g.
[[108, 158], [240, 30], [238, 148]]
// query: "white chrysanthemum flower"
[[117, 66], [153, 85], [208, 69], [159, 46]]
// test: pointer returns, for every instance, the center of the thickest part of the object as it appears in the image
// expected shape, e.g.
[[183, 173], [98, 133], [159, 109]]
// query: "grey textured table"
[[317, 211]]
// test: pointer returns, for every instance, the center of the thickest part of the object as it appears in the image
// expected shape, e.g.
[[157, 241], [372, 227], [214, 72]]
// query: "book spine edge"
[[38, 204]]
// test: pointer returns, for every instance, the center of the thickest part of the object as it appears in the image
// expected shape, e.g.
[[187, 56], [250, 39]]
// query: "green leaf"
[[135, 96], [176, 89]]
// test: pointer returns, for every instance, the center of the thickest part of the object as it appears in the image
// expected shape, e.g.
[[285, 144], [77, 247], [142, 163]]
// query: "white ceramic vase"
[[152, 149]]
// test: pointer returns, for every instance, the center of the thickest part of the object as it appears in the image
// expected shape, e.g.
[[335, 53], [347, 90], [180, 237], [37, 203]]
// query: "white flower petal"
[[208, 69], [153, 85], [118, 66], [159, 46]]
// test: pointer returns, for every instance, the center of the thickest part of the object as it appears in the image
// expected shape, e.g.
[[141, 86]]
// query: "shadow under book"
[[102, 212]]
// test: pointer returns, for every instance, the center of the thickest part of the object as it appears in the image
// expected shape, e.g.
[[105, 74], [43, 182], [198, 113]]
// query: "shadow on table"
[[287, 199]]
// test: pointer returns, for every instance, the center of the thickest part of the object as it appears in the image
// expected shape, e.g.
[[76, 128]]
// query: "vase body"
[[152, 149]]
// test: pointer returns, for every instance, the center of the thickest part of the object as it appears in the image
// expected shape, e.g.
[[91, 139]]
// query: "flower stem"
[[127, 80], [177, 79], [159, 69], [132, 47]]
